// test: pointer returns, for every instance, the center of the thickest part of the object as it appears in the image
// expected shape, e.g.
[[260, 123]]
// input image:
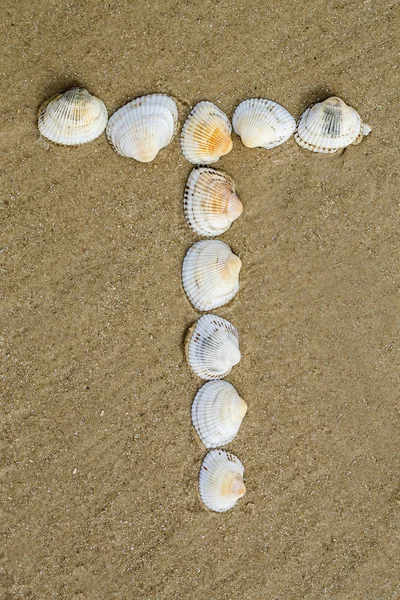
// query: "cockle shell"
[[210, 274], [329, 126], [73, 118], [143, 126], [206, 134], [217, 413], [221, 480], [210, 202], [212, 347], [262, 123]]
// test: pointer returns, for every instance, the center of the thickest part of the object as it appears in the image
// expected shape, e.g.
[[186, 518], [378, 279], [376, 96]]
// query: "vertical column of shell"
[[210, 206]]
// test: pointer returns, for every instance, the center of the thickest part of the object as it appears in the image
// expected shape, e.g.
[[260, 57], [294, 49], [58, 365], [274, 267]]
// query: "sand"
[[99, 460]]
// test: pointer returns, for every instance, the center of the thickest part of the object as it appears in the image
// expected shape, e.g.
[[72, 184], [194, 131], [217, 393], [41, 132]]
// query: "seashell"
[[329, 126], [206, 134], [210, 202], [212, 347], [217, 413], [143, 126], [210, 274], [262, 123], [221, 480], [73, 118]]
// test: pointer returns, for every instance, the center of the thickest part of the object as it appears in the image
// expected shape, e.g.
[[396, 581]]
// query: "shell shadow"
[[59, 85], [316, 94], [183, 339]]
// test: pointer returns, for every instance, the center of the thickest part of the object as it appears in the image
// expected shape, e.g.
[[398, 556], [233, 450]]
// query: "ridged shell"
[[262, 123], [221, 480], [212, 347], [206, 134], [73, 118], [143, 126], [210, 202], [329, 126], [217, 413], [210, 274]]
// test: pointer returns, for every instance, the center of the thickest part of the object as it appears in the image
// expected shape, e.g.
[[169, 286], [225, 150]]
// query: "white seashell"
[[217, 413], [330, 125], [210, 202], [73, 118], [210, 274], [143, 126], [262, 123], [221, 480], [206, 134], [212, 347]]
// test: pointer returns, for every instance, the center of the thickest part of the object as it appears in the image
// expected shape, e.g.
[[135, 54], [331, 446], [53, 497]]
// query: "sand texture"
[[99, 461]]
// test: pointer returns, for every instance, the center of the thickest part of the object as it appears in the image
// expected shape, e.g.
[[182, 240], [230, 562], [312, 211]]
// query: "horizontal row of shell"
[[144, 126]]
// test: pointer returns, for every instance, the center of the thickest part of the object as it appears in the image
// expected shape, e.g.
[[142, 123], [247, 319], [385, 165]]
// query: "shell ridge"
[[221, 480], [206, 134], [213, 348], [328, 126], [143, 126], [73, 118], [203, 276], [262, 123]]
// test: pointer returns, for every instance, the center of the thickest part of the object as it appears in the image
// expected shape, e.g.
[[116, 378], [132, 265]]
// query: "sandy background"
[[93, 372]]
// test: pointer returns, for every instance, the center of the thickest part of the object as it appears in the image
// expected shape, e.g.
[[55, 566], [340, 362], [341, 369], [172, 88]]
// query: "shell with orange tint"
[[206, 134], [210, 202], [221, 480]]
